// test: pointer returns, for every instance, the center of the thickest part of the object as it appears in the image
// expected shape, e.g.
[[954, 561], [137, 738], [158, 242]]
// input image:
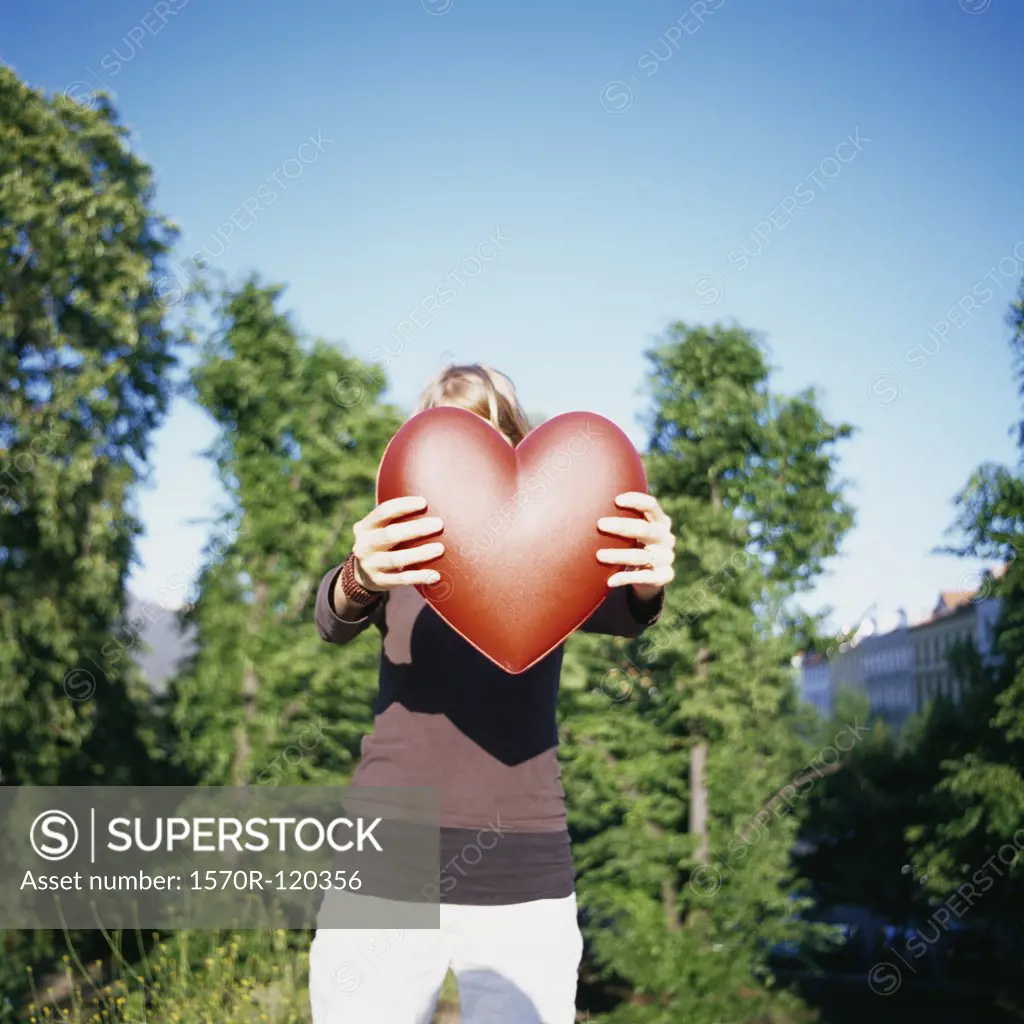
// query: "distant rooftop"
[[949, 602]]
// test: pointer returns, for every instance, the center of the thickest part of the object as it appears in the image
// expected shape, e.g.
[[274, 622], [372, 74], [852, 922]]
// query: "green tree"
[[854, 822], [85, 357], [301, 433], [975, 812], [86, 353], [679, 759]]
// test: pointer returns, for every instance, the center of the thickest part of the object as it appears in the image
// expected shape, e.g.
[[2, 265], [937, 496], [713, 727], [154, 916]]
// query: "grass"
[[191, 978], [262, 977]]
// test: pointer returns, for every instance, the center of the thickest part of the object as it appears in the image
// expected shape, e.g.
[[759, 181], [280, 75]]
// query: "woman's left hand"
[[649, 568]]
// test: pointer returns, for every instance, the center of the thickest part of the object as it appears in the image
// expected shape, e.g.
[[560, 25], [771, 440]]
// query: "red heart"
[[519, 572]]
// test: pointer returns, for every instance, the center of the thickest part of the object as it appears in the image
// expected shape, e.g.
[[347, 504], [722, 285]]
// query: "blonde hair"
[[480, 389]]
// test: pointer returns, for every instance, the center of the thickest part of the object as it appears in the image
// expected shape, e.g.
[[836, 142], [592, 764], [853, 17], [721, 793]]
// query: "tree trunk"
[[699, 751], [243, 747], [670, 903], [699, 800], [304, 587], [669, 896], [698, 778], [240, 774]]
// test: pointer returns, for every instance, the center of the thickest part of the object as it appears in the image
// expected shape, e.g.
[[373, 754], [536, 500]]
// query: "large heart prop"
[[519, 572]]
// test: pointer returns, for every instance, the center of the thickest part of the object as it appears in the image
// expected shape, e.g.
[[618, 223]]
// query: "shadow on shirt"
[[429, 669]]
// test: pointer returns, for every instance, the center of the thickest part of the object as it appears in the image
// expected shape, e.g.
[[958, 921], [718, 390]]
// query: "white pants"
[[514, 964]]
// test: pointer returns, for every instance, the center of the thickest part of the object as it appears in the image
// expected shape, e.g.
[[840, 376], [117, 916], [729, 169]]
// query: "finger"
[[636, 499], [398, 533], [392, 561], [413, 577], [645, 557], [632, 529], [659, 577], [646, 503], [394, 508]]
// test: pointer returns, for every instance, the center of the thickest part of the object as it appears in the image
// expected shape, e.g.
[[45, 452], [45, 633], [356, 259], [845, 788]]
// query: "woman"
[[448, 717]]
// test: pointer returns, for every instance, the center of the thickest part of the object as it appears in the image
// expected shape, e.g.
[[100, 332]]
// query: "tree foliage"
[[85, 357], [676, 756], [300, 434], [975, 818], [86, 353], [928, 831]]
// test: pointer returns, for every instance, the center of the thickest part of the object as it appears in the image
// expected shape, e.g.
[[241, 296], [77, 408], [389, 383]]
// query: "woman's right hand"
[[377, 565]]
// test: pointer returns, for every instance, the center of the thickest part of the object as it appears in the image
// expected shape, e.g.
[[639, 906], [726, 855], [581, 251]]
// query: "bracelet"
[[353, 590]]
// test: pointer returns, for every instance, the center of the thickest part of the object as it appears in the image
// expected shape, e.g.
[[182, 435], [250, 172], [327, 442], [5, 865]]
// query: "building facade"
[[887, 669], [901, 667], [954, 621], [816, 683], [848, 665]]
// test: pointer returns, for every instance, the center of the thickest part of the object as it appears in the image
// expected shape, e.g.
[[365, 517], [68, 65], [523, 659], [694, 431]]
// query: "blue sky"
[[643, 161]]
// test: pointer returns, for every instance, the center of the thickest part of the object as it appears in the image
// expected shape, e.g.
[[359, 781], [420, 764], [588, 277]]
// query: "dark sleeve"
[[333, 628], [622, 613]]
